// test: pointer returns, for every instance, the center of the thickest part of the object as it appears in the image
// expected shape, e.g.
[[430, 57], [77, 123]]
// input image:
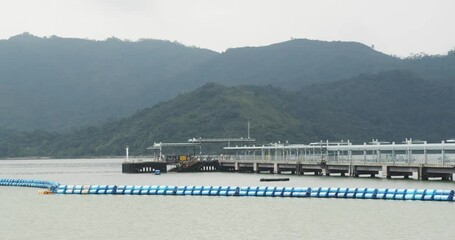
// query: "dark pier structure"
[[143, 167], [197, 166]]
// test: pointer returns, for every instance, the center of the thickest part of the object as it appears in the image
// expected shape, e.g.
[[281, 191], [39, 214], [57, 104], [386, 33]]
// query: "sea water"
[[24, 214]]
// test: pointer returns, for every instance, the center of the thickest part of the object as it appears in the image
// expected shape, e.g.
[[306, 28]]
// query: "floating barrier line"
[[245, 191], [302, 192], [29, 183]]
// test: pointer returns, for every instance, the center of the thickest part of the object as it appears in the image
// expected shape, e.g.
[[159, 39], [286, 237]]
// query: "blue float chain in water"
[[29, 183], [357, 193]]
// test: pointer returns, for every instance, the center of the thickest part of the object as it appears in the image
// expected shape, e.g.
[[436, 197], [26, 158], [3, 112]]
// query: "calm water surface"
[[24, 214]]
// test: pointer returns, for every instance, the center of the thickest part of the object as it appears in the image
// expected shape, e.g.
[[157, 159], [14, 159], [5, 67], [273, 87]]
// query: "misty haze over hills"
[[57, 84], [390, 105], [298, 90]]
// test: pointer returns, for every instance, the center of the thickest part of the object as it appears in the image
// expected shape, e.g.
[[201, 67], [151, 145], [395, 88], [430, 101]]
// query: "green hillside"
[[59, 84], [389, 105], [291, 64], [440, 67]]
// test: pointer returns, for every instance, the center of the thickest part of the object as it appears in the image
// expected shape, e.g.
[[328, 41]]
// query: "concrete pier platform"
[[385, 170]]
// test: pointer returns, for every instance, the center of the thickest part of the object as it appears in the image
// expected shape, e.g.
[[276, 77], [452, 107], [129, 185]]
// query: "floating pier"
[[235, 191], [301, 192], [34, 183]]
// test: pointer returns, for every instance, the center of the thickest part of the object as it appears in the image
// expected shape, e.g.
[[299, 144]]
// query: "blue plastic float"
[[244, 191], [29, 183]]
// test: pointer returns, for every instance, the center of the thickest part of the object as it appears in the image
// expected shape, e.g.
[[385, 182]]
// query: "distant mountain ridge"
[[292, 64], [57, 84]]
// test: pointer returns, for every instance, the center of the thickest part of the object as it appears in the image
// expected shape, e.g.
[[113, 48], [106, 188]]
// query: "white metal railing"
[[141, 159], [436, 159], [449, 159]]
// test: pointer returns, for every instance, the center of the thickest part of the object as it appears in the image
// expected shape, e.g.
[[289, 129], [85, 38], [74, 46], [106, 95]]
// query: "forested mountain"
[[432, 67], [210, 111], [292, 64], [297, 63], [389, 105], [56, 84]]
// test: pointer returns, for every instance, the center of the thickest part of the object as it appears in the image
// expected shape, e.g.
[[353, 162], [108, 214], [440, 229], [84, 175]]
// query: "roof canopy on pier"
[[158, 146], [347, 146]]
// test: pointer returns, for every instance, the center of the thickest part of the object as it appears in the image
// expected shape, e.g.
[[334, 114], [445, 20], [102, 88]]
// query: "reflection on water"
[[27, 215]]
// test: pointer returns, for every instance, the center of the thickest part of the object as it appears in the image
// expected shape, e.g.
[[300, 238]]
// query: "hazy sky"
[[397, 27]]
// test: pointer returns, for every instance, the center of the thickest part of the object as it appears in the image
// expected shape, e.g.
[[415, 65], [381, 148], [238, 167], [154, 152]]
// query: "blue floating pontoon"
[[246, 191]]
